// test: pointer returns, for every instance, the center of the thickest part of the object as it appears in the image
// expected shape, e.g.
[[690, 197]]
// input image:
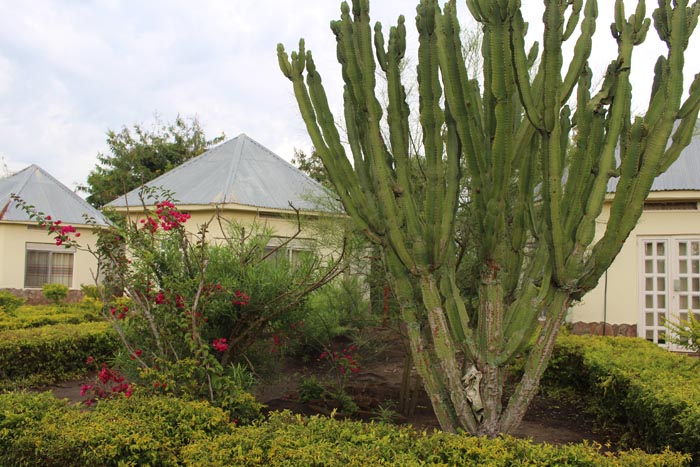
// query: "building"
[[238, 180], [29, 256], [656, 276]]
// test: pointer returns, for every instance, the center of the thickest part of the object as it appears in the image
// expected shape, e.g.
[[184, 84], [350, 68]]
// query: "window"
[[48, 264], [296, 252]]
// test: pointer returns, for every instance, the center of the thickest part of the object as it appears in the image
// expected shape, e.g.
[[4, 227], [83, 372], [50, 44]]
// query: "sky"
[[70, 70]]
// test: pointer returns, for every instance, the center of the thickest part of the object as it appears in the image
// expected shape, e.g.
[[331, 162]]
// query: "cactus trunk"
[[534, 173]]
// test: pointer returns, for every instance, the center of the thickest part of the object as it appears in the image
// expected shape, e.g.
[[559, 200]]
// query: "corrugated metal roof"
[[36, 187], [684, 174], [240, 171]]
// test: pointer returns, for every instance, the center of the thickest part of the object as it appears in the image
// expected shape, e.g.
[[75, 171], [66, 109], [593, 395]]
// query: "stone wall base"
[[601, 329], [36, 297]]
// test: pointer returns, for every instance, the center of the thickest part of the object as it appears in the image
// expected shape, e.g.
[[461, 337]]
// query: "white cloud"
[[70, 70]]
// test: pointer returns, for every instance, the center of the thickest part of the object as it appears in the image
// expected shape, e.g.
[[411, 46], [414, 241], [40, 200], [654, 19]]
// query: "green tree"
[[138, 155], [537, 177]]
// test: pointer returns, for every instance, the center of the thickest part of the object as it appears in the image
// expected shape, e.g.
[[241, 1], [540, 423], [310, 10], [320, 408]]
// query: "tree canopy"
[[137, 155]]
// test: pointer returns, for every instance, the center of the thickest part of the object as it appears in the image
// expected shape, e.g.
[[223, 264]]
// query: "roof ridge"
[[288, 165], [33, 169], [72, 194], [233, 172], [27, 177]]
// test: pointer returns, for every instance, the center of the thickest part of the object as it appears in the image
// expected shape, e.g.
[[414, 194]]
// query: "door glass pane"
[[662, 337], [696, 303], [661, 266], [649, 319], [683, 266], [683, 302], [661, 301], [682, 249], [661, 284], [695, 248], [695, 266], [684, 284], [661, 249], [648, 266], [649, 301]]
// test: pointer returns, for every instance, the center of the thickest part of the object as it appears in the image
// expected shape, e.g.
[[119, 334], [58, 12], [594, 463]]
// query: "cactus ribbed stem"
[[536, 176]]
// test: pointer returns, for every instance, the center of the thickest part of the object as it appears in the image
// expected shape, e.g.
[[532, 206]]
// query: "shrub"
[[36, 429], [9, 302], [337, 309], [653, 394], [55, 292], [134, 431], [44, 355], [33, 316], [288, 440]]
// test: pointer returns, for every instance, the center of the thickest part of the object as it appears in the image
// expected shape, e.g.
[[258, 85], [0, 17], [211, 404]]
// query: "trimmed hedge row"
[[45, 355], [652, 393], [44, 315], [39, 430]]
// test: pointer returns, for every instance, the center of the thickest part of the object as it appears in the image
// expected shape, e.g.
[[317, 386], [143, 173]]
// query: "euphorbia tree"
[[538, 170]]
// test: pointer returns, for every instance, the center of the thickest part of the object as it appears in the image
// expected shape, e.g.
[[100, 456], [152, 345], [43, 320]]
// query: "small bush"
[[95, 292], [44, 355], [9, 302], [55, 292]]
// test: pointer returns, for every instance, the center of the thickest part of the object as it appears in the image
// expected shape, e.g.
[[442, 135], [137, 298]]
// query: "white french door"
[[670, 284]]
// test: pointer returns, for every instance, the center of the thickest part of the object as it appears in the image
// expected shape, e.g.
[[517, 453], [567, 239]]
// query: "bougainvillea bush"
[[184, 307]]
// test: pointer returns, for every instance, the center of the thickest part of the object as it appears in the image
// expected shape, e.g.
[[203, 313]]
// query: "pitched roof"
[[684, 174], [239, 171], [36, 187]]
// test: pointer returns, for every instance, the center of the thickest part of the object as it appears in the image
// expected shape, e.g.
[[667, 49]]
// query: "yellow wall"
[[623, 291], [13, 239], [282, 223]]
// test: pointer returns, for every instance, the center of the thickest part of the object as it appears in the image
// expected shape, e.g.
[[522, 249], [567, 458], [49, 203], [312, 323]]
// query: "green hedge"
[[27, 316], [45, 355], [652, 393], [289, 440], [38, 430]]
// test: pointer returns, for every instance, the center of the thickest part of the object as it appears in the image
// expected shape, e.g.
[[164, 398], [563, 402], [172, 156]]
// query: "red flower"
[[242, 298], [220, 344]]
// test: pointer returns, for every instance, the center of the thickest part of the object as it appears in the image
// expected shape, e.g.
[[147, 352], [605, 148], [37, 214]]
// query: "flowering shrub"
[[190, 301], [108, 384]]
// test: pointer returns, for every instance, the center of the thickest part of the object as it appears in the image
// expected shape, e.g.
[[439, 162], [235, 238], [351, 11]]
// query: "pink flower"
[[242, 298], [220, 344], [85, 388]]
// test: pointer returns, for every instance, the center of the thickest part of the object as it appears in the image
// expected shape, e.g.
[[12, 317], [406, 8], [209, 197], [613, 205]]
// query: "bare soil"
[[550, 418]]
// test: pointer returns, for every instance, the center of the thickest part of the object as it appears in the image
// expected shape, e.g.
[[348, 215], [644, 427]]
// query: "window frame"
[[50, 249]]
